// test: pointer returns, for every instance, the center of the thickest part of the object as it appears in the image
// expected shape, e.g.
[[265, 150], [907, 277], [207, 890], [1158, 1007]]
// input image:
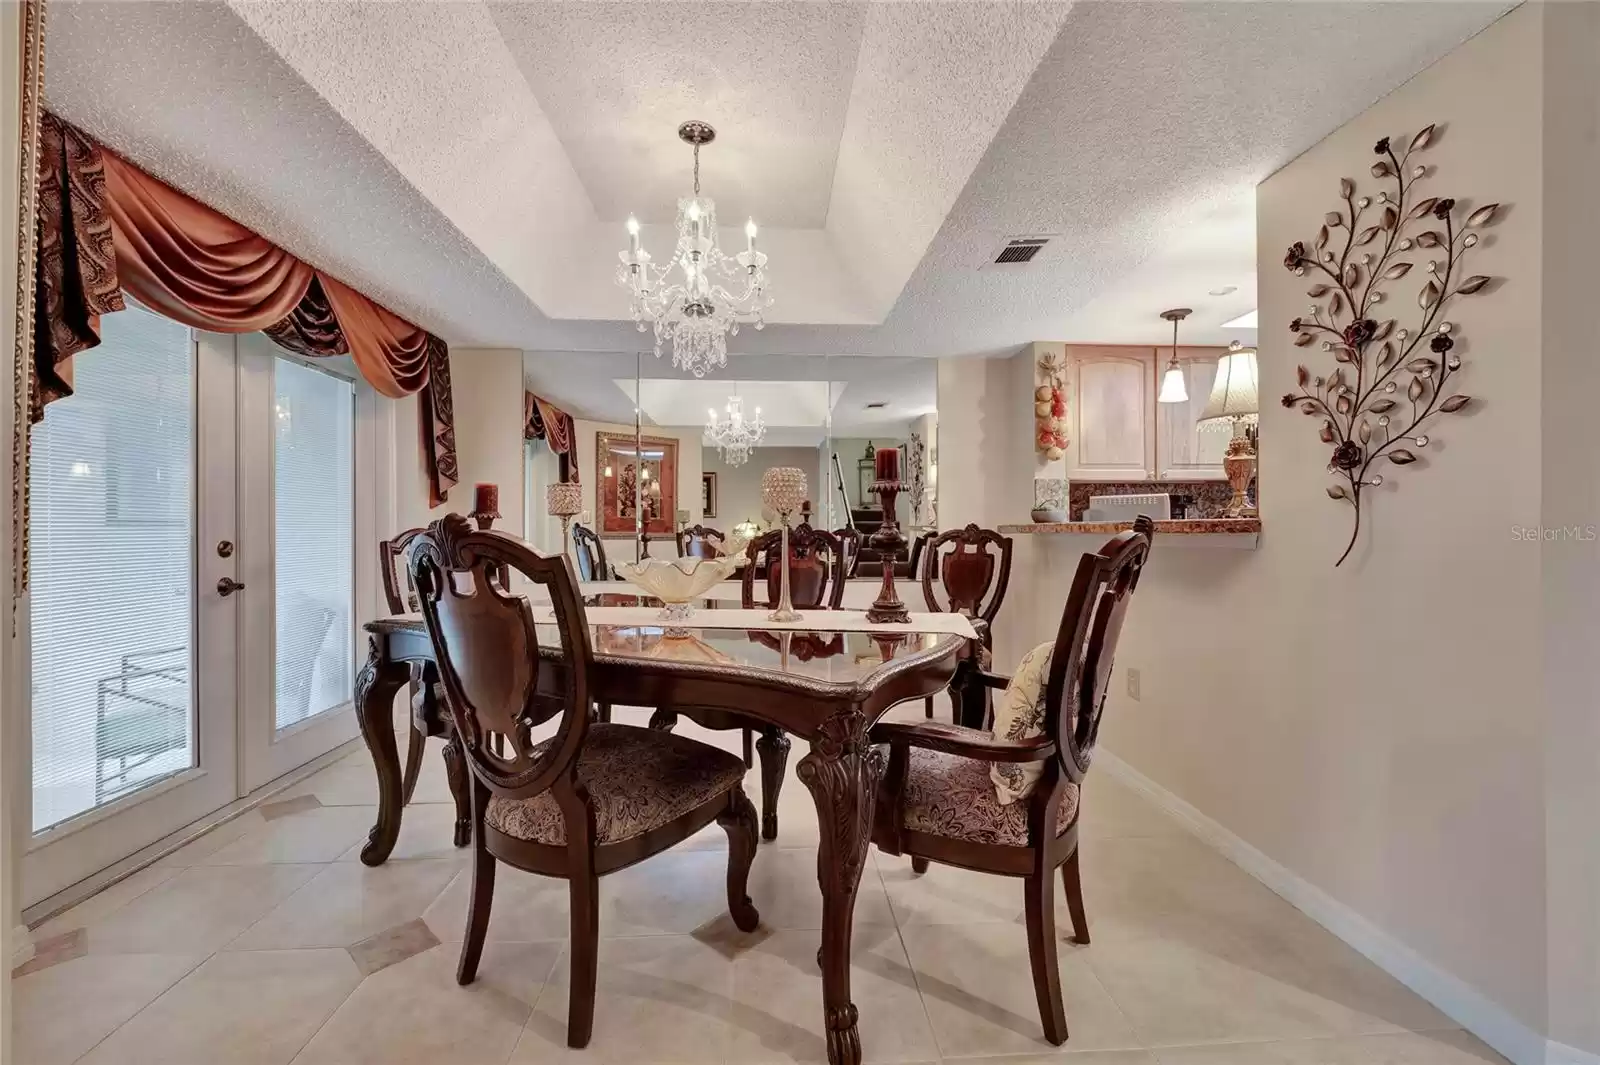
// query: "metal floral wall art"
[[1391, 381]]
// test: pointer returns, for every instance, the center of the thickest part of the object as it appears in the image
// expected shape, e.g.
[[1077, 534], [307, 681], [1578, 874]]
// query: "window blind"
[[314, 540], [111, 535]]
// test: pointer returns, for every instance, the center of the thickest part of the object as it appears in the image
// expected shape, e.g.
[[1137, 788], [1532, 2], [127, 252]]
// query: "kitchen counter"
[[1197, 532]]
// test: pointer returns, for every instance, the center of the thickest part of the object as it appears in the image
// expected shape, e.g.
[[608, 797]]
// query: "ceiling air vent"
[[1021, 250], [879, 405]]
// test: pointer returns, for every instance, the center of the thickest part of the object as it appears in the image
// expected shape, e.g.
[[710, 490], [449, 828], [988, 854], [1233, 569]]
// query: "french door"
[[192, 608]]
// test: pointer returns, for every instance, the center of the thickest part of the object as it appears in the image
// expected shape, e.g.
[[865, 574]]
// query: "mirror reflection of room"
[[705, 442]]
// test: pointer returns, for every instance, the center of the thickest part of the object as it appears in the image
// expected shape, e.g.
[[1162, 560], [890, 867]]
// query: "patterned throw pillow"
[[1020, 716]]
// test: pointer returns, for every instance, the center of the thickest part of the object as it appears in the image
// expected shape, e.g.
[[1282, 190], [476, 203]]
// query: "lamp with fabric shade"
[[1235, 402]]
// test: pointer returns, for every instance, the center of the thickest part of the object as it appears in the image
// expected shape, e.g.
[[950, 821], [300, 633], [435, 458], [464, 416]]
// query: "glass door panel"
[[131, 670], [313, 505], [297, 479]]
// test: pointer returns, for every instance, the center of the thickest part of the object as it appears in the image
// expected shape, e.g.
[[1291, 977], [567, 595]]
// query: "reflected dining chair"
[[589, 554], [850, 542], [969, 578], [592, 799], [941, 796], [701, 541]]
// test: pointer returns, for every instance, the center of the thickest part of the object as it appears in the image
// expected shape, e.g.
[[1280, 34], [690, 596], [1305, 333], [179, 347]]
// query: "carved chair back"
[[919, 547], [850, 543], [498, 686], [816, 569], [972, 574], [398, 593], [589, 554], [1091, 623], [701, 541]]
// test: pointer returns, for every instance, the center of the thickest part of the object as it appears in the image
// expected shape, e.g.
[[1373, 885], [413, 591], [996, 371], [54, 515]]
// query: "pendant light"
[[1173, 387]]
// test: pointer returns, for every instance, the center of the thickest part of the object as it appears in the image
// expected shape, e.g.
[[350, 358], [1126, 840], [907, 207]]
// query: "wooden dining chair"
[[938, 799], [401, 598], [592, 799], [850, 543], [701, 541], [590, 554], [969, 578], [919, 546]]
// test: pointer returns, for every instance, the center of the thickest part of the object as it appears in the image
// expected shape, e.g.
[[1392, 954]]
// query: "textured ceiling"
[[466, 163], [617, 79]]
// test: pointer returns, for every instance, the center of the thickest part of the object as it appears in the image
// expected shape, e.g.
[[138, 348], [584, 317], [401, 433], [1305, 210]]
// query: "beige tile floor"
[[268, 943]]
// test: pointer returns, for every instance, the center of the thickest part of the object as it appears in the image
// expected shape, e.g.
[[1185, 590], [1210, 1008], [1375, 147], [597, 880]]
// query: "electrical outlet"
[[1133, 684]]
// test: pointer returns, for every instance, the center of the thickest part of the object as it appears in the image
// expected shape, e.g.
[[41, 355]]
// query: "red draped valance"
[[105, 226], [548, 422]]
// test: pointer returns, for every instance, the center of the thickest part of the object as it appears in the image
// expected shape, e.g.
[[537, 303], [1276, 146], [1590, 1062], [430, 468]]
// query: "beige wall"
[[1414, 735], [486, 387], [739, 487], [1376, 728], [1571, 476]]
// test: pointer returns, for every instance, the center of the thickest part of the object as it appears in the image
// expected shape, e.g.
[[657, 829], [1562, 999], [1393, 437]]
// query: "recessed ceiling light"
[[1244, 321], [1225, 290]]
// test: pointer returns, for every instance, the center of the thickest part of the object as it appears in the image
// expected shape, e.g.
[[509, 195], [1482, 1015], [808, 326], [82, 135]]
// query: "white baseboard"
[[1561, 1054], [1459, 1001]]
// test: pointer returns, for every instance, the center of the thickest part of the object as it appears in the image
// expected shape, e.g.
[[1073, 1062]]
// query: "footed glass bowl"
[[676, 581]]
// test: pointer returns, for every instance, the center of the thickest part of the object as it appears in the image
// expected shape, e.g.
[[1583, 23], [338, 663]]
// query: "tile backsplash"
[[1206, 499]]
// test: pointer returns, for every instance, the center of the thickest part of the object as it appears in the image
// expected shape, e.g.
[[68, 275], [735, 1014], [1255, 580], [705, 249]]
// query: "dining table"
[[826, 679]]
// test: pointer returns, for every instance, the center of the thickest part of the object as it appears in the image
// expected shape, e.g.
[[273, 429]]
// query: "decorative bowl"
[[676, 581]]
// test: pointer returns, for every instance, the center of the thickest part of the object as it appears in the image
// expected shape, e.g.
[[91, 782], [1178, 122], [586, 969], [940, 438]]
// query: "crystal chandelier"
[[716, 293], [735, 436]]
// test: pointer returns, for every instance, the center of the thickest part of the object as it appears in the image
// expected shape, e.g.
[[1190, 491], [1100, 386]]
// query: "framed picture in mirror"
[[651, 467], [708, 494]]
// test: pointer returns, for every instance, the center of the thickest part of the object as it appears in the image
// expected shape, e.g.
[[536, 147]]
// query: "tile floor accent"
[[268, 943]]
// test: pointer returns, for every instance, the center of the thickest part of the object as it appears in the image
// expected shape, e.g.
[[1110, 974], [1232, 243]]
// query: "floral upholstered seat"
[[948, 795], [639, 779]]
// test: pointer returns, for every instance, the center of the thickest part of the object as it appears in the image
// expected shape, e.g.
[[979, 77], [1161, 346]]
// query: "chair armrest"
[[991, 680], [968, 743]]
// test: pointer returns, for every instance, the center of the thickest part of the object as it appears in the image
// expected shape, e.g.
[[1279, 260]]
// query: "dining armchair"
[[919, 545], [966, 571], [590, 554], [592, 799], [400, 597], [1008, 802], [701, 541]]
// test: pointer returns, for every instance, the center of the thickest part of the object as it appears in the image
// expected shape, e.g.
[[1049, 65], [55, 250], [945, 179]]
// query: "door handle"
[[227, 586]]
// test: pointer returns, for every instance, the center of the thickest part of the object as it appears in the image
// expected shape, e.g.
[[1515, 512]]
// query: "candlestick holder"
[[888, 541], [563, 500], [485, 506]]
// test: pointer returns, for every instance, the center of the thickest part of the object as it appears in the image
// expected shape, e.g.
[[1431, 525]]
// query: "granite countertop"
[[1178, 527]]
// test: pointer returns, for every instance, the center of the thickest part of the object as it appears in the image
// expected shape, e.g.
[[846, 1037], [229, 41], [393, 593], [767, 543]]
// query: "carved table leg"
[[842, 773], [376, 686], [773, 747], [455, 771]]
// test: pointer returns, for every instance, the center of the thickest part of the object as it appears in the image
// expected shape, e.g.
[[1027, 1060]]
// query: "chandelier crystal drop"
[[735, 436], [715, 294]]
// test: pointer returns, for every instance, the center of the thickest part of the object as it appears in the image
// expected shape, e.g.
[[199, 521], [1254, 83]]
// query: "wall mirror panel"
[[667, 460]]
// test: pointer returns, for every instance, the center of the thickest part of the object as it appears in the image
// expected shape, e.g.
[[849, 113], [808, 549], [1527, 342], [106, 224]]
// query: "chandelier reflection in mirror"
[[735, 436], [716, 293]]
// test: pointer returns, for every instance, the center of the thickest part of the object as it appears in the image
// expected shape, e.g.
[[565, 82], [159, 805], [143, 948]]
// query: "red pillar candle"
[[887, 464], [486, 500]]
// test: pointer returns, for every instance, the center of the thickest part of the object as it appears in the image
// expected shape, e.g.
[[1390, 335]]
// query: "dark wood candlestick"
[[888, 541]]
